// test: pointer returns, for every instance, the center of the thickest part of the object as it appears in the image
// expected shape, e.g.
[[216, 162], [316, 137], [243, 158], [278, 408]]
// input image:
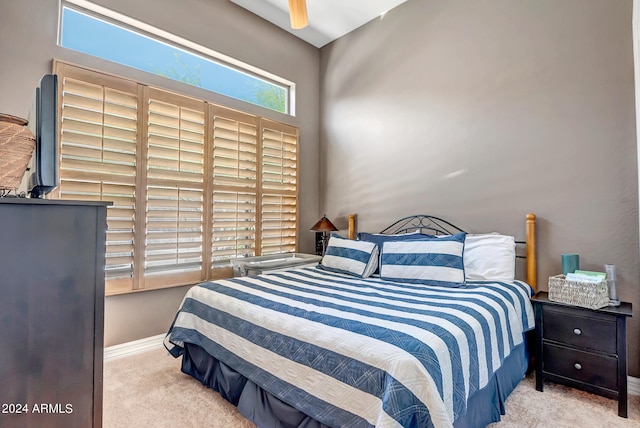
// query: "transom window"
[[94, 30]]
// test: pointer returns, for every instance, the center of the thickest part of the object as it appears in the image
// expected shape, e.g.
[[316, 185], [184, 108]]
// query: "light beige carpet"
[[148, 390]]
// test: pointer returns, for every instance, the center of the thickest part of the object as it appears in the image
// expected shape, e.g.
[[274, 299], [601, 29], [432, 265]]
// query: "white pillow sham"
[[489, 257]]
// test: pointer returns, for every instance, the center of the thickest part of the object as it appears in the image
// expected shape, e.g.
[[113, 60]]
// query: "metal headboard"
[[423, 224], [431, 225], [434, 225]]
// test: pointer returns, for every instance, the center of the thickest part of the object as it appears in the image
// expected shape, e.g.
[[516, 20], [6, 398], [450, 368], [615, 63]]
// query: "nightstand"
[[582, 348]]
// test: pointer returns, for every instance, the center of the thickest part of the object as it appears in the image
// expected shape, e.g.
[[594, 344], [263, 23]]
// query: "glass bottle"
[[611, 285]]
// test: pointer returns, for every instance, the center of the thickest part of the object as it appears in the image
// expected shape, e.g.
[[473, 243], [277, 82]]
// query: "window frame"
[[170, 39]]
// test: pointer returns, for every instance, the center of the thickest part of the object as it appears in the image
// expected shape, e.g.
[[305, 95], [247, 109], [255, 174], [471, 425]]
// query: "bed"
[[404, 343]]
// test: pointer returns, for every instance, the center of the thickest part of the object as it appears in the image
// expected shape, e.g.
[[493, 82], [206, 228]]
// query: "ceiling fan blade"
[[298, 14]]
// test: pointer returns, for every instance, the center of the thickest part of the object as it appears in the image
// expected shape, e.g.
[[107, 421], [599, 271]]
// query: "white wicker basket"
[[584, 294]]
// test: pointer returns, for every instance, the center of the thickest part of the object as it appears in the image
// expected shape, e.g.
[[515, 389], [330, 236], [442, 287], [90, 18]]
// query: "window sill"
[[222, 273]]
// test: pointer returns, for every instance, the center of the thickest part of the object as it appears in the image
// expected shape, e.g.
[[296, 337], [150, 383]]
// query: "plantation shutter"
[[279, 187], [235, 185], [174, 226], [193, 185], [98, 158]]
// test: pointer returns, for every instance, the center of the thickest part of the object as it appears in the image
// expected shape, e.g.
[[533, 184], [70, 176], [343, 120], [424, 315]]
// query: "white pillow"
[[490, 257]]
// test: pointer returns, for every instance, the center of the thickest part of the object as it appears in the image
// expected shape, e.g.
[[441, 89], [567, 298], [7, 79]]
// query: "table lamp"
[[324, 225]]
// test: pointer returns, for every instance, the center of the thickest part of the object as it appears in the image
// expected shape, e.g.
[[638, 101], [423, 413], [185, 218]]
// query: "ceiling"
[[328, 19]]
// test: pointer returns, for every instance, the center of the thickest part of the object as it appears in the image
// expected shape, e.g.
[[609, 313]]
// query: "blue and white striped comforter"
[[358, 352]]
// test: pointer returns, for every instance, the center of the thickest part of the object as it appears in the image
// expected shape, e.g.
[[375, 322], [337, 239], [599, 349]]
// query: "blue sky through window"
[[93, 36]]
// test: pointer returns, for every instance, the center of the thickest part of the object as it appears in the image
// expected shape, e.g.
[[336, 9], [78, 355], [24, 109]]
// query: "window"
[[193, 184], [97, 31]]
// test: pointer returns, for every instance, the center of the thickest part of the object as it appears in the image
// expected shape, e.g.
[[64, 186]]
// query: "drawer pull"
[[577, 331], [578, 366]]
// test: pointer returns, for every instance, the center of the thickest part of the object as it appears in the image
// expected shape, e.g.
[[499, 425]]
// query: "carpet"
[[149, 389]]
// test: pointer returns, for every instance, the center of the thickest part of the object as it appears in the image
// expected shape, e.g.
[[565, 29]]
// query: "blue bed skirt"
[[265, 410]]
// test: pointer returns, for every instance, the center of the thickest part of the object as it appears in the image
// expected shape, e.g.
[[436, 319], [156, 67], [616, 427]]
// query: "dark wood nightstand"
[[582, 348]]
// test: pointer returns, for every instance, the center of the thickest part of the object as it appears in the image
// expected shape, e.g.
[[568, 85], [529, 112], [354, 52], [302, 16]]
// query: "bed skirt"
[[265, 410]]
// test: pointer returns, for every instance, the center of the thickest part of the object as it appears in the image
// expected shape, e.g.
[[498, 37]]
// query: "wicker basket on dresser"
[[16, 147]]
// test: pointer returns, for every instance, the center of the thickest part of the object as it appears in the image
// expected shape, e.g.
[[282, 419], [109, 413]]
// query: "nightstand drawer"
[[593, 369], [577, 328]]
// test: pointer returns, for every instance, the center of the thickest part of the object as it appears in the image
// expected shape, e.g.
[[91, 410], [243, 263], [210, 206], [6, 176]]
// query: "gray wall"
[[483, 111], [28, 44], [479, 111]]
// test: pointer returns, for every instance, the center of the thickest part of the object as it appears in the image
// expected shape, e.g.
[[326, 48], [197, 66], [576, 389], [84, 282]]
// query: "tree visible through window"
[[95, 35]]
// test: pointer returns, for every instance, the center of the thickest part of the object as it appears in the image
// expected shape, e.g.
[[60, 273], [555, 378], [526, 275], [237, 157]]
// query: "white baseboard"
[[128, 349], [633, 385]]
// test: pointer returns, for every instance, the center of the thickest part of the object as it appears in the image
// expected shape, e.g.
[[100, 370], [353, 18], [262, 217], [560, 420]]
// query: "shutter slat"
[[227, 254], [96, 166]]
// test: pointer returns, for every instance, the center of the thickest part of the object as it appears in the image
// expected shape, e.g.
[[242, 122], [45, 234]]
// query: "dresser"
[[51, 312], [582, 348]]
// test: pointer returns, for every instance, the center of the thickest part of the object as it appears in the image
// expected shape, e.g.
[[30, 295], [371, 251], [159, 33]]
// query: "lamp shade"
[[324, 225]]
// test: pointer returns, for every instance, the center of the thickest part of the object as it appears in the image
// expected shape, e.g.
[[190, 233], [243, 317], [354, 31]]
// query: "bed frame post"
[[352, 226], [532, 272]]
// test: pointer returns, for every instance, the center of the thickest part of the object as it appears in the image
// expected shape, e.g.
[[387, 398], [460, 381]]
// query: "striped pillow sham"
[[379, 238], [430, 260], [358, 258]]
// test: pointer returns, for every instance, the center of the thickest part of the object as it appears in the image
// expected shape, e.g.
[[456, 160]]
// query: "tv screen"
[[43, 122]]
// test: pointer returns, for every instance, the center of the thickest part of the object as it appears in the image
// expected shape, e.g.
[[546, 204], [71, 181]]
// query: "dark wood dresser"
[[582, 348], [51, 312]]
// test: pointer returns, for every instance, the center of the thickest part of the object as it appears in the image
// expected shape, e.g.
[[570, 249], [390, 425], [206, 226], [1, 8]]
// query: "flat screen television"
[[42, 175]]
